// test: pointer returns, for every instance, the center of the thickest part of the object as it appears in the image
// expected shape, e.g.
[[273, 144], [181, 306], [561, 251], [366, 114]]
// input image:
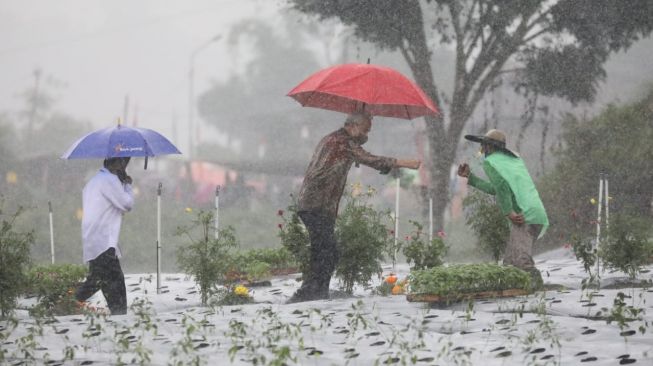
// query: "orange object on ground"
[[391, 279]]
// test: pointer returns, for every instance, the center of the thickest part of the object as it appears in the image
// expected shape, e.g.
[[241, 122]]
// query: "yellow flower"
[[11, 177], [593, 201], [188, 209], [241, 290], [356, 189]]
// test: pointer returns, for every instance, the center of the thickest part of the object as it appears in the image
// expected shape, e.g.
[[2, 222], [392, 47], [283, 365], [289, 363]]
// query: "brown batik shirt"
[[326, 175]]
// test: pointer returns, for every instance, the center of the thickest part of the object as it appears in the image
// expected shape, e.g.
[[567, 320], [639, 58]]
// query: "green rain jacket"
[[513, 187]]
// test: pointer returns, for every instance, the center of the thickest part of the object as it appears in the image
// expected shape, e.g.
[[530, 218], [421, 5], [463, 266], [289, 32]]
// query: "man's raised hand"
[[464, 170]]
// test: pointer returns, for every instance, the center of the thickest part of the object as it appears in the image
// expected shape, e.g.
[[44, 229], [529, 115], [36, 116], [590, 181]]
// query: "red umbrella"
[[348, 88]]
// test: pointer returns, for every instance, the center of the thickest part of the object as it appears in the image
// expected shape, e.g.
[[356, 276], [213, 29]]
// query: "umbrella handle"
[[145, 168]]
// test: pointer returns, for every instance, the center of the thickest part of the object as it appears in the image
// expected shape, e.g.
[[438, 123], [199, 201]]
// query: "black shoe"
[[119, 312]]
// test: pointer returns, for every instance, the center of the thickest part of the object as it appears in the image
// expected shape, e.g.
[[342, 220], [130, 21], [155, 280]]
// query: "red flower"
[[280, 212], [280, 226], [567, 246], [442, 234]]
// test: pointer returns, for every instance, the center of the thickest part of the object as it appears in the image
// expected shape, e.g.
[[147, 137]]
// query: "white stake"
[[394, 256], [51, 232], [607, 207], [158, 238], [217, 212], [430, 219], [598, 222]]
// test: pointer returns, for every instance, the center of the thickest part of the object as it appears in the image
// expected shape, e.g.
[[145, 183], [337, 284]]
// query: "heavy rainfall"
[[497, 156]]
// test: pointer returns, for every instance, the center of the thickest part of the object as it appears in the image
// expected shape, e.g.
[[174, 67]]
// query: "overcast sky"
[[93, 53]]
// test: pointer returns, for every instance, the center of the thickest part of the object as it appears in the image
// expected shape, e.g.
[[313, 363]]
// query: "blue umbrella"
[[120, 141]]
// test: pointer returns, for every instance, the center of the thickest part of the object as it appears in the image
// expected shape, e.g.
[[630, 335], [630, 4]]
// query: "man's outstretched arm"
[[381, 163]]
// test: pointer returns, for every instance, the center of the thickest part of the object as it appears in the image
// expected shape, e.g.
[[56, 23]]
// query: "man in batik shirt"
[[324, 183]]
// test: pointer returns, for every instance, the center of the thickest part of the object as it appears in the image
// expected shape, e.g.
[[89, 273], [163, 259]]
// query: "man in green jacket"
[[516, 196]]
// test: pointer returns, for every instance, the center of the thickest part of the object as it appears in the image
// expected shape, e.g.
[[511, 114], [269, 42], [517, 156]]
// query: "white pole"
[[394, 256], [598, 221], [217, 212], [607, 206], [430, 219], [51, 232], [158, 238]]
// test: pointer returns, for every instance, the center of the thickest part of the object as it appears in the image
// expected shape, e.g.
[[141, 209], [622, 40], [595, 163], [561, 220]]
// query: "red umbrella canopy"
[[349, 88]]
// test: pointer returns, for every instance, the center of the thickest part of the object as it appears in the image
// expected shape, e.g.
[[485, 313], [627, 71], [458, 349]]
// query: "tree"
[[553, 48]]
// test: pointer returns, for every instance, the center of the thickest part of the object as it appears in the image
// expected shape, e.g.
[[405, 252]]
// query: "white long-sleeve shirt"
[[105, 199]]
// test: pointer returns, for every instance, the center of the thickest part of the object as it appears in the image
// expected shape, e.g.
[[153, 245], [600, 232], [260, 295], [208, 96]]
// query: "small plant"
[[256, 270], [625, 315], [279, 259], [233, 295], [25, 346], [55, 285], [584, 252], [583, 248], [14, 260], [207, 259], [421, 253], [184, 353], [362, 239], [394, 246], [546, 330], [129, 341], [294, 236], [257, 264], [273, 343], [627, 246], [488, 223]]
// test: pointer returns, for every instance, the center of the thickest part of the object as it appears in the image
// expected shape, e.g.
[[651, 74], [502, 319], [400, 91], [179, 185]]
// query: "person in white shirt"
[[106, 197]]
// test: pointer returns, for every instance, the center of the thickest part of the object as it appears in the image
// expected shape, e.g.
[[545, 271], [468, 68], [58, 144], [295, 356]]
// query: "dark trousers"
[[105, 274], [324, 255]]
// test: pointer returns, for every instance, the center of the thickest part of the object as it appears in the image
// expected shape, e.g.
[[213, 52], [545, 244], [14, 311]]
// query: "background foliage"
[[55, 287], [14, 261], [617, 142], [628, 245]]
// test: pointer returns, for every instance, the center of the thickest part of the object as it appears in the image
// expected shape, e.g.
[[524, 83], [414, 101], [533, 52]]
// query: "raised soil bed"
[[467, 296]]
